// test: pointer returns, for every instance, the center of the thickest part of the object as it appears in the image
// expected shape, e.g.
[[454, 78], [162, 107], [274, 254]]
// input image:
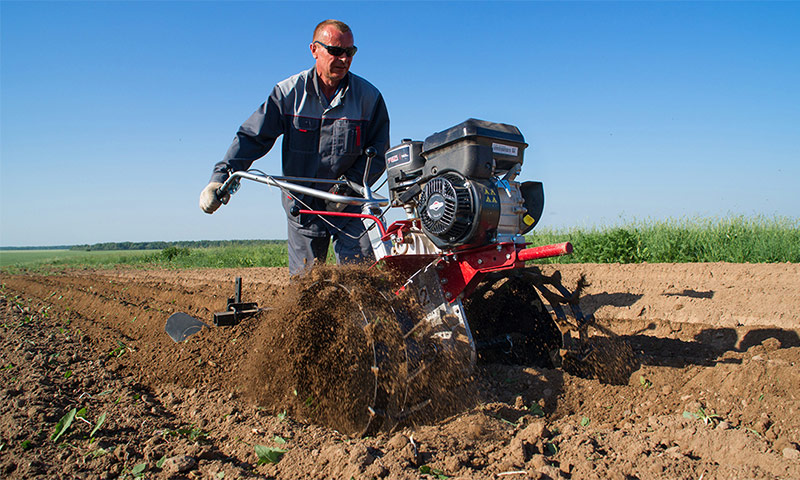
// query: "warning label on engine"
[[504, 149]]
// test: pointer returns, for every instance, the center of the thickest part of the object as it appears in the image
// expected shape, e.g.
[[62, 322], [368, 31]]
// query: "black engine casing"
[[456, 211], [452, 181]]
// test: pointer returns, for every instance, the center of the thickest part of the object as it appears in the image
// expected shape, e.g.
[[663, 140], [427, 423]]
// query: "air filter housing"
[[475, 148]]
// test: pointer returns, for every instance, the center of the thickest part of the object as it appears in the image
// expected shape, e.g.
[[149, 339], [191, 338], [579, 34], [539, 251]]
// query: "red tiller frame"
[[325, 213], [459, 271]]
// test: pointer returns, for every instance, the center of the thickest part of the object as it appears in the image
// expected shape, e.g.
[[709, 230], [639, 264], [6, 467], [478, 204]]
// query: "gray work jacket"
[[321, 139]]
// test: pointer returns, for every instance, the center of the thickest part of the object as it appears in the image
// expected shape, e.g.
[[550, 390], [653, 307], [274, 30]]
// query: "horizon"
[[667, 222]]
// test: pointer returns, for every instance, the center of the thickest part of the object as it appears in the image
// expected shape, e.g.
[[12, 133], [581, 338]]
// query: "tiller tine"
[[578, 347]]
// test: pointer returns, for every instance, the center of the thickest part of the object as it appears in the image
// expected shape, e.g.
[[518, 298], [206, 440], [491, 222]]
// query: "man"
[[328, 117]]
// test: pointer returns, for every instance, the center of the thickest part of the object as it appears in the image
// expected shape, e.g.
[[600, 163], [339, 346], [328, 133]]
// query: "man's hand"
[[339, 189], [209, 202]]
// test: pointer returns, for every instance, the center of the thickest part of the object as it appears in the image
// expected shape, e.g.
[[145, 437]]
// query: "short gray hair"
[[341, 26]]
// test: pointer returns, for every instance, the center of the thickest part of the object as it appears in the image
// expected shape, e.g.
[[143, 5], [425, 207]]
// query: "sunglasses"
[[339, 51]]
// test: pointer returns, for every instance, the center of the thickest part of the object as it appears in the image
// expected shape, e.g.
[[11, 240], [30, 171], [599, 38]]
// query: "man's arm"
[[376, 135], [253, 140]]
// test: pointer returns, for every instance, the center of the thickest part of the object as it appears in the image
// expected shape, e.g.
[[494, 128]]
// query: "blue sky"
[[113, 113]]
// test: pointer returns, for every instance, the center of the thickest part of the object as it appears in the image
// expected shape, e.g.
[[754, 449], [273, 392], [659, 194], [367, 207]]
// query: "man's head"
[[332, 68]]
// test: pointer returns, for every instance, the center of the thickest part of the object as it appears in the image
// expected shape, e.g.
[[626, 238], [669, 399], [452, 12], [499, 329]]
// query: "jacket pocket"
[[348, 136], [304, 135]]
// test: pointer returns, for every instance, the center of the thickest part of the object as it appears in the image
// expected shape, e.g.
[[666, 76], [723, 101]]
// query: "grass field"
[[33, 258], [270, 255], [736, 239]]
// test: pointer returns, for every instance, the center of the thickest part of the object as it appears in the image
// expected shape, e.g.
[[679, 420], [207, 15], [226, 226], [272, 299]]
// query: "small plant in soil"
[[99, 452], [701, 414], [550, 449], [438, 474], [536, 410], [267, 454], [191, 433], [63, 425], [118, 351], [100, 421], [138, 470]]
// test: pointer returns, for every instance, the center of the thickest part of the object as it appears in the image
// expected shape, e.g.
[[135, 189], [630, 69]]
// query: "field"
[[34, 258], [93, 388]]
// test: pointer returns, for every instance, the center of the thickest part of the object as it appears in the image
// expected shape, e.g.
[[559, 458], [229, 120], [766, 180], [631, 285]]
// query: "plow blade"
[[180, 326]]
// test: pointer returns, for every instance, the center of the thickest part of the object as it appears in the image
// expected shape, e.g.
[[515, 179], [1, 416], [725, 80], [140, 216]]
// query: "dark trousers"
[[350, 244]]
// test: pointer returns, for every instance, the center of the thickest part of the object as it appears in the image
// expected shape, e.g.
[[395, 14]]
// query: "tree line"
[[160, 245]]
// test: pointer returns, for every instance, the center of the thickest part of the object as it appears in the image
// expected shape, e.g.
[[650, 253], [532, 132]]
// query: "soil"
[[712, 392]]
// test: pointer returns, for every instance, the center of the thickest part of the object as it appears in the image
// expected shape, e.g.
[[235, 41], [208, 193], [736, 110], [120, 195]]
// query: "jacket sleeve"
[[377, 135], [254, 139]]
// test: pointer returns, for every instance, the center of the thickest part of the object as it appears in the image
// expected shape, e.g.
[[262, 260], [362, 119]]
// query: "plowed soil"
[[714, 391]]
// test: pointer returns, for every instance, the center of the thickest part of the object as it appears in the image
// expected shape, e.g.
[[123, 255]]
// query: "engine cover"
[[455, 211]]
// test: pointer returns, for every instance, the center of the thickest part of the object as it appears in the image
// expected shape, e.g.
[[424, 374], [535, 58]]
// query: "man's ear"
[[313, 47]]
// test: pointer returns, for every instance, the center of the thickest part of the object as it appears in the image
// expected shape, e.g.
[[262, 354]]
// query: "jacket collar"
[[338, 97]]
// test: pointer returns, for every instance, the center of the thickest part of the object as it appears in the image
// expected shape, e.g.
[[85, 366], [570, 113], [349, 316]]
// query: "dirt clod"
[[179, 464]]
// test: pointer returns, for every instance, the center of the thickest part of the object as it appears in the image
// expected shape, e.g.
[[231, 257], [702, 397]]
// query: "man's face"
[[332, 69]]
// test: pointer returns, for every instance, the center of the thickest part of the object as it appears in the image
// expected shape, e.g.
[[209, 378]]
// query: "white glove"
[[209, 202]]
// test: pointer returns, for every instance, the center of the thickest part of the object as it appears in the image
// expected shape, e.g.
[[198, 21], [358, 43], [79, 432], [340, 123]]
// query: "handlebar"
[[291, 183]]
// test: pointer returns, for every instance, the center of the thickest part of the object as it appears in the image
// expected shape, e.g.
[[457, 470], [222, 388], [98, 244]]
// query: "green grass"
[[34, 258], [270, 255], [734, 239]]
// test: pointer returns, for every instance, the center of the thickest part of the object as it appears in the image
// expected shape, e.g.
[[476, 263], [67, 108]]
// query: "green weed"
[[191, 433], [138, 469], [119, 350], [100, 421], [63, 425], [267, 454], [536, 410], [427, 470], [701, 414], [550, 449]]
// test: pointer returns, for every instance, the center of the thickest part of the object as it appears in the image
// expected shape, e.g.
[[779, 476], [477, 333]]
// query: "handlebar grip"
[[222, 196]]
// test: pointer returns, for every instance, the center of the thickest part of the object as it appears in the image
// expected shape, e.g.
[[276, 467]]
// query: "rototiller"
[[462, 252]]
